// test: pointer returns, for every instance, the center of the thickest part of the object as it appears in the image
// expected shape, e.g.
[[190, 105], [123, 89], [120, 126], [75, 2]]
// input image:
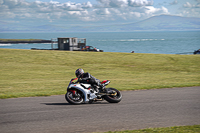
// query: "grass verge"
[[25, 73], [176, 129]]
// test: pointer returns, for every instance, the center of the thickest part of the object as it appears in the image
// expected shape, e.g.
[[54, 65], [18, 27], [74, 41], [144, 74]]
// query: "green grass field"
[[177, 129], [25, 73]]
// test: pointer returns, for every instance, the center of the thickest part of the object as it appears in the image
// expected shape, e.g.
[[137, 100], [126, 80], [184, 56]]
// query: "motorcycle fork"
[[73, 92]]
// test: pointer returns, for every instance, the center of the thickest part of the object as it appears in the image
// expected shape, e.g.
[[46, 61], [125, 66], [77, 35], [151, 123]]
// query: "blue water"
[[139, 42]]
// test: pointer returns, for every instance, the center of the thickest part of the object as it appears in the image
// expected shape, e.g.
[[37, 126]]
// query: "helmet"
[[79, 72]]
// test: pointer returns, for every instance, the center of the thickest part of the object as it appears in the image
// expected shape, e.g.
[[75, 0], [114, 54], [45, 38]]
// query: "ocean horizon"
[[157, 42]]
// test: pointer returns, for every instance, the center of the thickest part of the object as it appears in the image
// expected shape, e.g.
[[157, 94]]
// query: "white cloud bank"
[[103, 11], [68, 11]]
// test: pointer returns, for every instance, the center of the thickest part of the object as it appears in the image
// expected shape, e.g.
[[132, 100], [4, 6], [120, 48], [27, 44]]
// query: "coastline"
[[16, 41]]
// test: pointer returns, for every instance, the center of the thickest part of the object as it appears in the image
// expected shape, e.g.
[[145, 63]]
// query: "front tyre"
[[74, 97], [114, 97]]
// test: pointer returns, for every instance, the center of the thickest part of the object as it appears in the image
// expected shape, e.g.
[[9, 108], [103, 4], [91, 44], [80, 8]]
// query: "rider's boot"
[[102, 89]]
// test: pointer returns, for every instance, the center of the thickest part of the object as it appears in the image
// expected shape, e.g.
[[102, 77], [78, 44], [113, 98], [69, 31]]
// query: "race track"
[[137, 110]]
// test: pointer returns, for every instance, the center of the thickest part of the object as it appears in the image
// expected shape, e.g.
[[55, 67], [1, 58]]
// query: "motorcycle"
[[78, 93]]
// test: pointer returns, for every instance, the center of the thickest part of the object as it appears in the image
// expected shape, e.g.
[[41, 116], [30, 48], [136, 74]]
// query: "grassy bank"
[[27, 73], [177, 129]]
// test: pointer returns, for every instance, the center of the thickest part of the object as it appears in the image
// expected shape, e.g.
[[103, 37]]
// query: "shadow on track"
[[57, 103], [76, 105]]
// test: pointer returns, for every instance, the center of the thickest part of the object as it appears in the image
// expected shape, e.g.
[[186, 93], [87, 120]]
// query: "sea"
[[156, 42]]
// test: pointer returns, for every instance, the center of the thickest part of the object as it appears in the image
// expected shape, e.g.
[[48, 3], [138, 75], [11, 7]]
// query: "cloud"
[[152, 10], [188, 5], [139, 3], [112, 3], [175, 2], [191, 10], [127, 9], [124, 3]]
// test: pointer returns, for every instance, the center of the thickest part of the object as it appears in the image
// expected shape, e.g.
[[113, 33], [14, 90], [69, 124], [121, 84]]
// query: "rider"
[[87, 78]]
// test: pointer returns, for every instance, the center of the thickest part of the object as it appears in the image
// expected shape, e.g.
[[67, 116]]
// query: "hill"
[[164, 22]]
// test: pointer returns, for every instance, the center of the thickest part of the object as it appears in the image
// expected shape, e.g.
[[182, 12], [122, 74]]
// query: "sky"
[[91, 12]]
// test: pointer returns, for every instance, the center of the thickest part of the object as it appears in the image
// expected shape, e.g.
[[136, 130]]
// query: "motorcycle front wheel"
[[74, 97], [114, 97]]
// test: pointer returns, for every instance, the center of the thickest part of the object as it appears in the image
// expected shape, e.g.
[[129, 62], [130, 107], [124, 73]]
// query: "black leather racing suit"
[[88, 78]]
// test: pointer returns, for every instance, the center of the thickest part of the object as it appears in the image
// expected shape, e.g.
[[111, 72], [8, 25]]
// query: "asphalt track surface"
[[137, 110]]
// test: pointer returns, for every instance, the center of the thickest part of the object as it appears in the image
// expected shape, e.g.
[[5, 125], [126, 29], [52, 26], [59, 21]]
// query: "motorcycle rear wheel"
[[113, 98], [74, 99]]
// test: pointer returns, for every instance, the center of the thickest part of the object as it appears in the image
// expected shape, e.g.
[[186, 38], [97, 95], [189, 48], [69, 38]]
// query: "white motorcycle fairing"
[[85, 89]]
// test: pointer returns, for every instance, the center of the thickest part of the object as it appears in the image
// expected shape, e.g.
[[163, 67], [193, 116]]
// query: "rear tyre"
[[74, 97], [114, 97]]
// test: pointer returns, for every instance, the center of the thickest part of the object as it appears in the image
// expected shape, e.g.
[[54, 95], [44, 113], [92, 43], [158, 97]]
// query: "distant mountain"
[[156, 23], [164, 22]]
